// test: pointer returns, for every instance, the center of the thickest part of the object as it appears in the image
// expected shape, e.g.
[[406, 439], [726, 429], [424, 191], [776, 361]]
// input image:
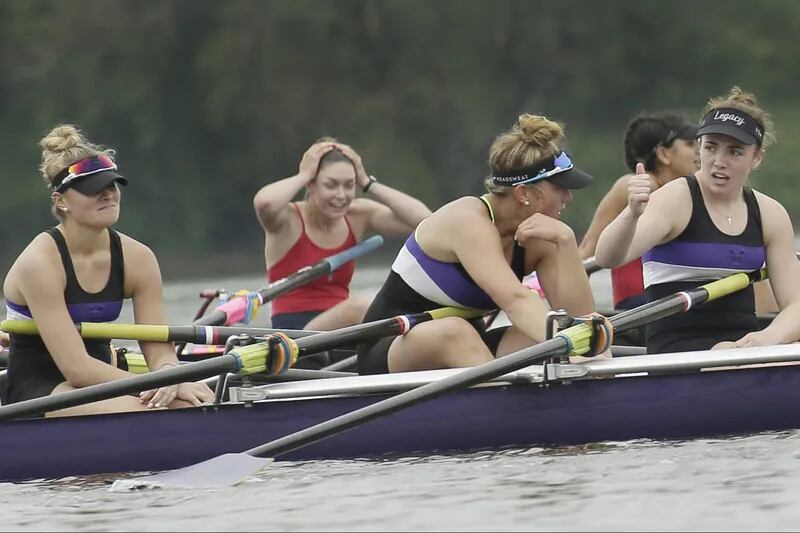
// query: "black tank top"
[[704, 248], [31, 369], [396, 297]]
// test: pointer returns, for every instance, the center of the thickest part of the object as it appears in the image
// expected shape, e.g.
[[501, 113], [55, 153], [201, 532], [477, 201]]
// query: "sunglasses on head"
[[84, 167], [561, 163]]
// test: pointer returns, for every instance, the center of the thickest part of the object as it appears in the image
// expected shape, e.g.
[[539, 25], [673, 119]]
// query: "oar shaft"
[[326, 266], [113, 389], [466, 378], [398, 325], [157, 333]]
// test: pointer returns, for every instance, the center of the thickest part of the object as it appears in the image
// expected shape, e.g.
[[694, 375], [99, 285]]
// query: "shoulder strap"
[[753, 209], [63, 251], [485, 199], [300, 214], [117, 279]]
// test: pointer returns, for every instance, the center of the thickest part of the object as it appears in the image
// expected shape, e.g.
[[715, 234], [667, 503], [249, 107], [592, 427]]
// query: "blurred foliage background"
[[206, 101]]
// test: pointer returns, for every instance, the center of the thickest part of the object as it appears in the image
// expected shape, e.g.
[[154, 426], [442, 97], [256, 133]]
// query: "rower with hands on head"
[[706, 227], [80, 271], [330, 219], [473, 252]]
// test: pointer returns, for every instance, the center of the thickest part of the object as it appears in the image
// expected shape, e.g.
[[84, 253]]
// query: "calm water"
[[744, 483]]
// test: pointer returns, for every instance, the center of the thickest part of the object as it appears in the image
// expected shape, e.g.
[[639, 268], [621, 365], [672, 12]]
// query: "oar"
[[235, 309], [243, 360], [156, 332], [231, 468]]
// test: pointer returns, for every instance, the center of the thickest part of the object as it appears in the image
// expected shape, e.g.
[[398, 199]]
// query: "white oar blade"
[[221, 471]]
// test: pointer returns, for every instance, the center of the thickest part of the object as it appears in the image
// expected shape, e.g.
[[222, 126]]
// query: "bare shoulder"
[[674, 189], [132, 247], [773, 215], [41, 255], [768, 204]]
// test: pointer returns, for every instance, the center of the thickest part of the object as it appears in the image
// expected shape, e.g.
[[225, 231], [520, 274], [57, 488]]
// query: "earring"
[[63, 208], [526, 202]]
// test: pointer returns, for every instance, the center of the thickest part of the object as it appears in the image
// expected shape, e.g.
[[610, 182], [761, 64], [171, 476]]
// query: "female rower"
[[473, 253], [666, 143], [329, 220], [80, 271], [705, 227]]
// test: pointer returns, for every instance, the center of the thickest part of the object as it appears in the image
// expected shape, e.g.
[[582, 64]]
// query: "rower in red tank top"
[[322, 293], [666, 144], [329, 219], [627, 285]]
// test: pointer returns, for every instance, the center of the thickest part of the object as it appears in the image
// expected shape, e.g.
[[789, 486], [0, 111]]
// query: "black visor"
[[733, 123]]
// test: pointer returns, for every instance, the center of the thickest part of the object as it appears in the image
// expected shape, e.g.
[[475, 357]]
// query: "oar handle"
[[113, 389]]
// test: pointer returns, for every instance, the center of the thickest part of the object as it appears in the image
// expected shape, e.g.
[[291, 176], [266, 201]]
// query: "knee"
[[453, 331]]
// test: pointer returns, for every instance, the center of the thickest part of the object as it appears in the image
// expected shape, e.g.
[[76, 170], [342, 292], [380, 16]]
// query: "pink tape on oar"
[[196, 349], [241, 307]]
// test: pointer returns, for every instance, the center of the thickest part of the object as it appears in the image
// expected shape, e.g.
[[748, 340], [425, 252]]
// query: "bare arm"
[[610, 206], [647, 221], [143, 283], [40, 280], [145, 286], [271, 201], [563, 278], [396, 213], [784, 271]]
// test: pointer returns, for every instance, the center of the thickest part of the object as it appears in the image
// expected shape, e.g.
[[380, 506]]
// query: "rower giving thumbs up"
[[638, 190]]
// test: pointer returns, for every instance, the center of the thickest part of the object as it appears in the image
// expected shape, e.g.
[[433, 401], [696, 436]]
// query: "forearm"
[[615, 241], [574, 293], [92, 372], [588, 245], [407, 208], [274, 196], [785, 327], [159, 354], [528, 313]]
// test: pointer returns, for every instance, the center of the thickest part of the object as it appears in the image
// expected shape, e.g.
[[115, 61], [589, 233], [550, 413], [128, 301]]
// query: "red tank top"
[[322, 293], [627, 281]]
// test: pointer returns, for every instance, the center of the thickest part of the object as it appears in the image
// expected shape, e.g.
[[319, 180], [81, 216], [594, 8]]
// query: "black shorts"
[[373, 358], [294, 320]]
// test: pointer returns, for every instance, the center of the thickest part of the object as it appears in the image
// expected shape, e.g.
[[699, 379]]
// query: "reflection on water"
[[743, 483]]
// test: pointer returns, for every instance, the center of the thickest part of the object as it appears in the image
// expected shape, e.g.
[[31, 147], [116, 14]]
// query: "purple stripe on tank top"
[[83, 312], [708, 255], [450, 279]]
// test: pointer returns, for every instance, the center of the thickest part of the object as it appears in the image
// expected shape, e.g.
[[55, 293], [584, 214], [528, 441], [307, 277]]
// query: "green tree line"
[[206, 101]]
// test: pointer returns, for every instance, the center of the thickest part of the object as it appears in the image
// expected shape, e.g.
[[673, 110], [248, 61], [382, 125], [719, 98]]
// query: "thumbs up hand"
[[638, 191]]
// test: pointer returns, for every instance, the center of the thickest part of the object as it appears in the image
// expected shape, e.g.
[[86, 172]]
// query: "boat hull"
[[679, 406]]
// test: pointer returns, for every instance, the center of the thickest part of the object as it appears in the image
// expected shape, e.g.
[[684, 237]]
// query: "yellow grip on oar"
[[731, 284], [22, 327], [142, 332], [101, 330], [444, 312]]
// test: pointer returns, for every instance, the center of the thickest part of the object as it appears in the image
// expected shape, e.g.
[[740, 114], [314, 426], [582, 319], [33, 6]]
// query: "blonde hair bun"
[[537, 130], [62, 138]]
